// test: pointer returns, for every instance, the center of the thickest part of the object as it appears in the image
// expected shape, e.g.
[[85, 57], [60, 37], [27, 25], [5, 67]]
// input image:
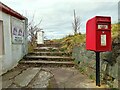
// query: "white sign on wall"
[[17, 31]]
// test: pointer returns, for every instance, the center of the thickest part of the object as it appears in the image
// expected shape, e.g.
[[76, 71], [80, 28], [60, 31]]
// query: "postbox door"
[[103, 40]]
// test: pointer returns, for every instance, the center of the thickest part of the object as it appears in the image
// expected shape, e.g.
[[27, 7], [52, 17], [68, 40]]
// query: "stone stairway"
[[48, 54]]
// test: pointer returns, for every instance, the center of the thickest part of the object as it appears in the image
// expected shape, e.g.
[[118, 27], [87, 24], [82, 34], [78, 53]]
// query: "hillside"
[[70, 41]]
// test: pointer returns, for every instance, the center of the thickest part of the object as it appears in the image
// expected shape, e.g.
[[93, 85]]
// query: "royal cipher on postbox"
[[98, 34]]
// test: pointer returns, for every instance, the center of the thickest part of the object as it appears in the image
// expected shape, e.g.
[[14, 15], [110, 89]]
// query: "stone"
[[26, 76], [106, 55], [117, 40], [118, 51], [103, 65], [115, 83], [114, 71], [118, 59]]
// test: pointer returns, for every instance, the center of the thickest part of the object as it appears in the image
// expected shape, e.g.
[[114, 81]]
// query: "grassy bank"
[[70, 41]]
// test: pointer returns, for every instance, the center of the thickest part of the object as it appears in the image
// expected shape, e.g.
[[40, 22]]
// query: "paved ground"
[[46, 77]]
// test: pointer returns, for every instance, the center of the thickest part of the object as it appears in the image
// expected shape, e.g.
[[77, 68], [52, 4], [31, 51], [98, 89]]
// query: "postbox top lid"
[[102, 18]]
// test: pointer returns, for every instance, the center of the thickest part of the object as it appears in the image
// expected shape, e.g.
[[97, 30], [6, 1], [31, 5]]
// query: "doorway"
[[1, 38]]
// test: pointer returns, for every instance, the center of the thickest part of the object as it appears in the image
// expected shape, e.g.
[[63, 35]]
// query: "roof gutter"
[[10, 11]]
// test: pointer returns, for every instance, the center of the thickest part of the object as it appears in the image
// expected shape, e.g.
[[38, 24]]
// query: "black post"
[[97, 68]]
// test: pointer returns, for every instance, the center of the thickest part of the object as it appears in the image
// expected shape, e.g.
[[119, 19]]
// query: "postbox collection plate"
[[103, 40]]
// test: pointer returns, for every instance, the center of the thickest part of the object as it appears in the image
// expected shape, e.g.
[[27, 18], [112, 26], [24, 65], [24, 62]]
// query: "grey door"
[[1, 38]]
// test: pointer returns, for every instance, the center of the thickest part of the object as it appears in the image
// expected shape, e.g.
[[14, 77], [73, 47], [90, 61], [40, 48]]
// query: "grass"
[[70, 41], [115, 30], [31, 47], [92, 77]]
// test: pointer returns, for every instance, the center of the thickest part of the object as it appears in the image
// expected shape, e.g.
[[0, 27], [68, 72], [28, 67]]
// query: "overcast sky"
[[57, 15]]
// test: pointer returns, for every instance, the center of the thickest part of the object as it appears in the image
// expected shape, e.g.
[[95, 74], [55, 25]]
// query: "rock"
[[114, 71], [103, 65], [106, 56], [117, 40], [115, 83], [118, 59], [118, 52]]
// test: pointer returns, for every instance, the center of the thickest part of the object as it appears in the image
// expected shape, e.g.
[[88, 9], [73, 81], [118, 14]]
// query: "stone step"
[[49, 58], [49, 53], [48, 45], [51, 42], [46, 49], [47, 63]]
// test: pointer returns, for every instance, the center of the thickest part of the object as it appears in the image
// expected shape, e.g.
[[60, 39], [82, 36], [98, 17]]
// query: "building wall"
[[13, 52]]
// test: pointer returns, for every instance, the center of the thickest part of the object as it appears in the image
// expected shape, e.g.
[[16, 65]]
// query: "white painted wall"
[[40, 37], [13, 52]]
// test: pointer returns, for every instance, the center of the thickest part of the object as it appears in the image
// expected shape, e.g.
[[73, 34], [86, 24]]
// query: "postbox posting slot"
[[103, 26]]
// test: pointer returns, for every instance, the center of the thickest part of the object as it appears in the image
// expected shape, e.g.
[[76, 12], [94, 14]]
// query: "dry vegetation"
[[115, 30], [70, 41]]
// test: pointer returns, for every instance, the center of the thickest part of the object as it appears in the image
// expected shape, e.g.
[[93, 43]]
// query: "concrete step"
[[47, 63], [49, 53], [46, 49], [49, 58], [49, 45]]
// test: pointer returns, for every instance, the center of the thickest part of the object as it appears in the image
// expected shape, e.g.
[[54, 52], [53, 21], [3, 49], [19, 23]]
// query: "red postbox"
[[98, 34]]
